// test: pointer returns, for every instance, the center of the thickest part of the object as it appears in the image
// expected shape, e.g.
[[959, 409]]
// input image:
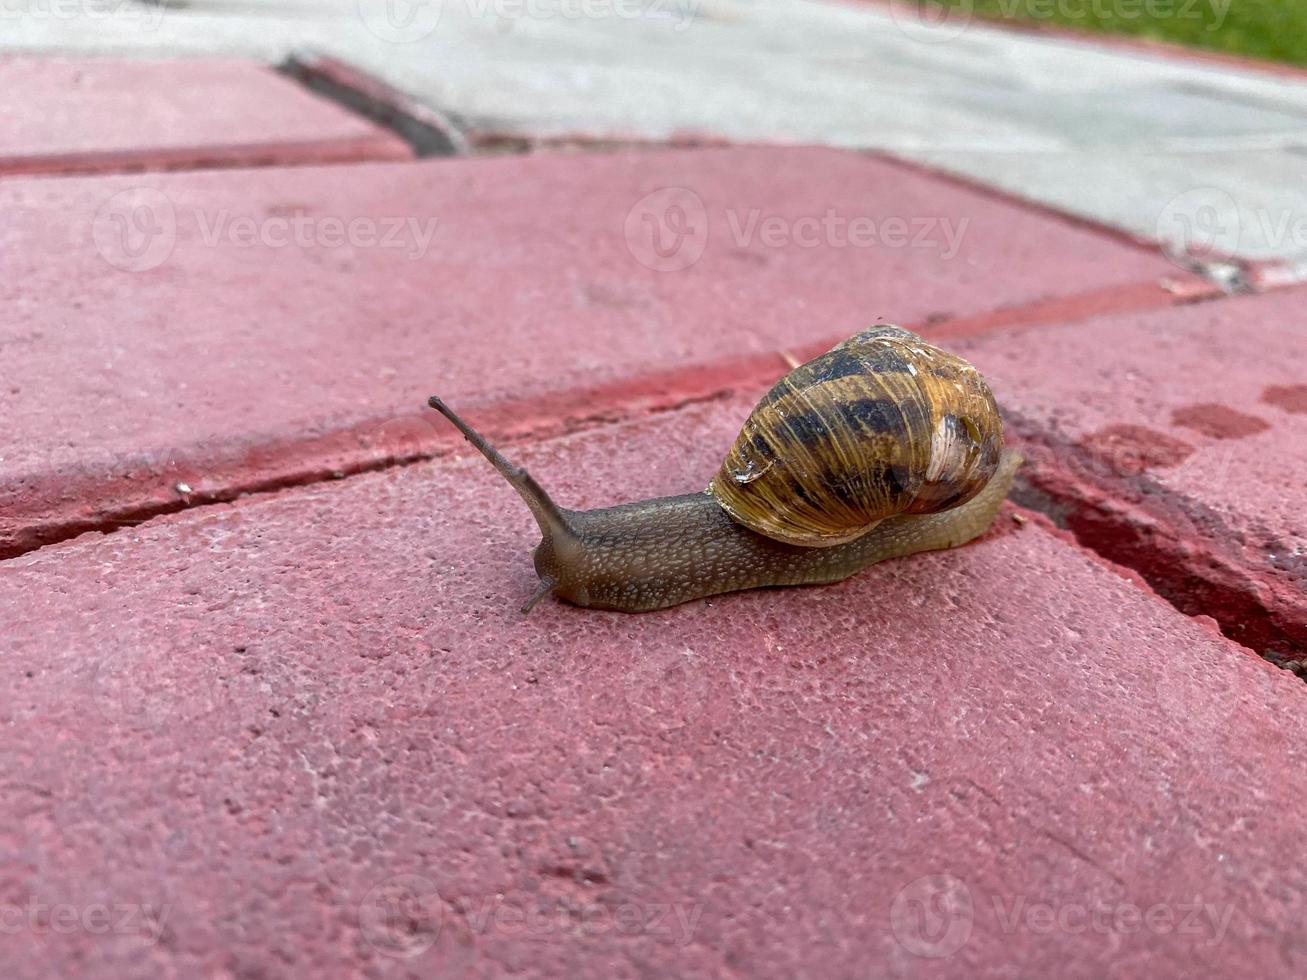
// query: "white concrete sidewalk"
[[1211, 159]]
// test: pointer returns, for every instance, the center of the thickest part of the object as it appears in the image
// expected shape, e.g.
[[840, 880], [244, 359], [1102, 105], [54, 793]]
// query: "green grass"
[[1272, 29]]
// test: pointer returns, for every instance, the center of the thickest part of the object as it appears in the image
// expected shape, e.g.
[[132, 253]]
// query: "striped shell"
[[883, 424]]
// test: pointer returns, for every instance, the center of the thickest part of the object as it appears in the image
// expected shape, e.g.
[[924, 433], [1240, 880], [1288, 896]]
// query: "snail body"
[[885, 446]]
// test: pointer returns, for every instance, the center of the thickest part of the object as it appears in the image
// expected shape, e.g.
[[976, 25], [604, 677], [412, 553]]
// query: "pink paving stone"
[[104, 114], [210, 331], [1177, 439], [313, 727]]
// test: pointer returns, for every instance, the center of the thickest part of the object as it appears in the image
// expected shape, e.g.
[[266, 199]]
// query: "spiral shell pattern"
[[882, 424]]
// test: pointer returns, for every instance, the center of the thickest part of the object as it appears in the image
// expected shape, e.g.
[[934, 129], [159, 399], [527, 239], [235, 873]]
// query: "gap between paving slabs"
[[1061, 480], [268, 466], [1165, 445], [175, 390], [1161, 540], [262, 466]]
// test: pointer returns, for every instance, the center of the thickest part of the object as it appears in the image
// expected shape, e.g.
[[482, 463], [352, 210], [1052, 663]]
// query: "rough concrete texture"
[[1207, 157], [104, 114], [202, 333], [309, 733], [1174, 441]]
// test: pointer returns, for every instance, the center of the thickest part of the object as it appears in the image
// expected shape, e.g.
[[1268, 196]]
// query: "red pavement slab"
[[81, 115], [309, 733], [1174, 441], [182, 337]]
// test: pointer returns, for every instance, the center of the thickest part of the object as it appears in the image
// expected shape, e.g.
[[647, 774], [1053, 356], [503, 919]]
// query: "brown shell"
[[883, 424]]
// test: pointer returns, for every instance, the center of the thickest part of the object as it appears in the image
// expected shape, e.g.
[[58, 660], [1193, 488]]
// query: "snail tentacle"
[[546, 586], [551, 518]]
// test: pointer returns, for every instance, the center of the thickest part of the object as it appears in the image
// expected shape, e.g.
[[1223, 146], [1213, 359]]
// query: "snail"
[[882, 447]]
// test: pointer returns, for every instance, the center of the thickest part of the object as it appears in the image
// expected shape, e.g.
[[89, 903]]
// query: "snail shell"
[[883, 424]]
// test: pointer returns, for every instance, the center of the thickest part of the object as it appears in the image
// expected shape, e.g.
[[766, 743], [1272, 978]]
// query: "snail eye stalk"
[[550, 517]]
